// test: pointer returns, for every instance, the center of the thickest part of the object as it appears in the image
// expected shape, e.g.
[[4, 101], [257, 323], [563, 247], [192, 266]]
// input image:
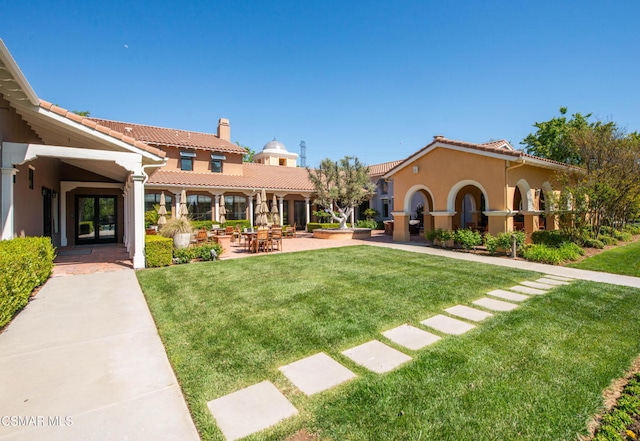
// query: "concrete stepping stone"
[[495, 305], [411, 337], [561, 278], [552, 281], [377, 356], [527, 290], [447, 325], [536, 285], [465, 312], [250, 410], [316, 373], [508, 295]]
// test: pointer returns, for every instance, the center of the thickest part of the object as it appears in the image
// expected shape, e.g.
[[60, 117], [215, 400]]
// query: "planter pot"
[[181, 240], [346, 234]]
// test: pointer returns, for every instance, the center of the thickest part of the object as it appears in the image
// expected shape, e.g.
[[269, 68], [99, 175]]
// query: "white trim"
[[442, 213], [525, 192], [12, 67], [67, 186], [245, 190], [498, 213], [451, 198], [408, 196], [6, 213]]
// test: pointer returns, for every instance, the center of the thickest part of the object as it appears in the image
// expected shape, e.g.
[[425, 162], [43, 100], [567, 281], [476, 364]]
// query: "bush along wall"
[[158, 250], [25, 264]]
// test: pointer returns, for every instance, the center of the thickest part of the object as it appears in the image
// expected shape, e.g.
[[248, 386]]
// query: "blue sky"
[[370, 79]]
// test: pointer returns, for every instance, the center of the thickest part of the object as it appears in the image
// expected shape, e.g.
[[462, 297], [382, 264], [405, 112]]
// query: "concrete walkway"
[[573, 273], [83, 361]]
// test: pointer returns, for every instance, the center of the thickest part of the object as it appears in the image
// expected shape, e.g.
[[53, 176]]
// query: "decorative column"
[[500, 221], [250, 199], [7, 202], [531, 222], [401, 226], [307, 205], [216, 208], [138, 221], [127, 223], [176, 204], [443, 219], [281, 209], [552, 221]]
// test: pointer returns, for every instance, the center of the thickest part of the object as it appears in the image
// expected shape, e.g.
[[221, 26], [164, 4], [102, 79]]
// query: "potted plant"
[[180, 230]]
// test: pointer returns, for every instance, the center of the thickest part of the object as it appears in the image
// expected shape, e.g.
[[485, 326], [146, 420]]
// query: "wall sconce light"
[[416, 169]]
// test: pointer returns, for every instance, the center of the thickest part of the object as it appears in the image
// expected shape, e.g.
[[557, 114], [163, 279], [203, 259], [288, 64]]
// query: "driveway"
[[83, 361]]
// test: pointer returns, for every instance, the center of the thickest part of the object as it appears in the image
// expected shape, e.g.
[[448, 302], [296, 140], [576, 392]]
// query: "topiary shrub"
[[551, 238], [158, 251], [25, 263]]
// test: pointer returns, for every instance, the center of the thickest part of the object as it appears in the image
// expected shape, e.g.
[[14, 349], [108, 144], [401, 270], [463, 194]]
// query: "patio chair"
[[202, 237], [276, 239], [237, 235], [261, 241], [290, 231]]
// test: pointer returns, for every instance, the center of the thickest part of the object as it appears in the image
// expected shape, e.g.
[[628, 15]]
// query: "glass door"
[[95, 219]]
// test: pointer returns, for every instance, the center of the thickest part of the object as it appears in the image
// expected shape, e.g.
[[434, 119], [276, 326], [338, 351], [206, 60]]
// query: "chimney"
[[224, 131]]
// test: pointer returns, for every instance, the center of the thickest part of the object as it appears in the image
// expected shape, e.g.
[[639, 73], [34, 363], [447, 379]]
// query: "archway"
[[466, 203], [416, 196]]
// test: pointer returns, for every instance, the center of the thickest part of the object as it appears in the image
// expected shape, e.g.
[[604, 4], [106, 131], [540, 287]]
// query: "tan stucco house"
[[488, 186]]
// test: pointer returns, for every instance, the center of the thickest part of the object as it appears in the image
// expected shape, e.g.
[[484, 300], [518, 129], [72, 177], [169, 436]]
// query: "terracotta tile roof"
[[381, 169], [96, 126], [255, 176], [501, 147], [161, 136]]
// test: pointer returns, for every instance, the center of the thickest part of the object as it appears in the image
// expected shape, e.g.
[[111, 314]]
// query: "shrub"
[[439, 235], [622, 236], [551, 238], [467, 238], [632, 228], [244, 223], [547, 254], [607, 240], [368, 223], [158, 250], [25, 263], [314, 225], [202, 252], [593, 243], [504, 241], [203, 224]]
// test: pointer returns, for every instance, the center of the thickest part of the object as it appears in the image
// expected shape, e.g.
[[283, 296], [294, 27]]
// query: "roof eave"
[[17, 75]]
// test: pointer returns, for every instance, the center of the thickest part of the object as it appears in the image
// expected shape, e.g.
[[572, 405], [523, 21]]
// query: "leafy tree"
[[248, 156], [552, 139], [606, 189], [341, 186]]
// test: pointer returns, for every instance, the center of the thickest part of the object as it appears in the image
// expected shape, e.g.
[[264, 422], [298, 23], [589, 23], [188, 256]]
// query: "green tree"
[[552, 139], [606, 189], [341, 186], [248, 156]]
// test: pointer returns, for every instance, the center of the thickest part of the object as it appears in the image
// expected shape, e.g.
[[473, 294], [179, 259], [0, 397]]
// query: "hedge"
[[158, 250], [25, 263], [201, 252], [551, 238], [315, 225]]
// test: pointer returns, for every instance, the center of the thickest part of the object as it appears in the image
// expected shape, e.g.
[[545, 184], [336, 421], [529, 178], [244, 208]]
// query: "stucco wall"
[[441, 169], [202, 162]]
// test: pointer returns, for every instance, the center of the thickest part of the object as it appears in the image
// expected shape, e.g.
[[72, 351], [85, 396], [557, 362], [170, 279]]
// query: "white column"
[[176, 204], [127, 225], [216, 209], [250, 198], [7, 202], [281, 209], [138, 221], [308, 207]]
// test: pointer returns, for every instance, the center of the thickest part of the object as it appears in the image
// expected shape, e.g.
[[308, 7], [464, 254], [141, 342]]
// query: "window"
[[199, 207], [186, 161], [385, 208], [153, 199], [30, 178], [236, 207], [383, 186], [216, 163]]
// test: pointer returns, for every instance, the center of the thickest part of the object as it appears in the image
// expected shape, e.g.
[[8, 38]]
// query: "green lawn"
[[533, 373], [621, 260]]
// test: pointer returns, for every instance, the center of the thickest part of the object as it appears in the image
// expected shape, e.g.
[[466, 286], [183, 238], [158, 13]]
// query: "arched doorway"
[[419, 203], [469, 204]]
